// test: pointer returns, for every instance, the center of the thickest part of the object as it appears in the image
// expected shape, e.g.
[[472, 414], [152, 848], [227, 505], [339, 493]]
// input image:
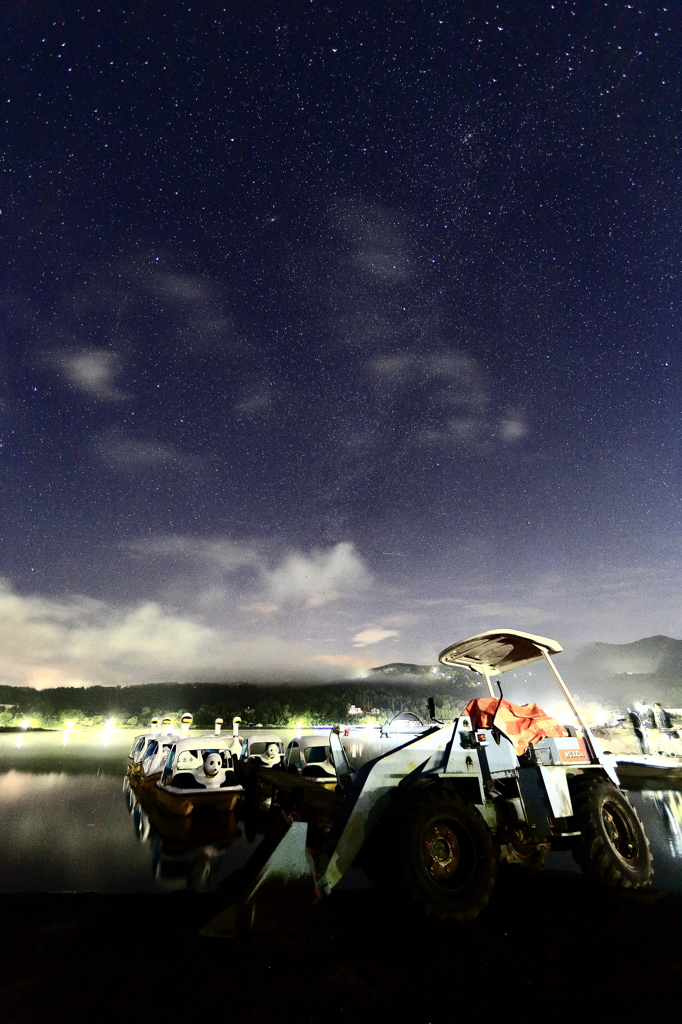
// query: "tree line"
[[282, 705]]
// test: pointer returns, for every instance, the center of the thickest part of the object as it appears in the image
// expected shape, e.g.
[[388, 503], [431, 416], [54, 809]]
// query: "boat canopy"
[[316, 740], [498, 650], [264, 737], [257, 745], [206, 743]]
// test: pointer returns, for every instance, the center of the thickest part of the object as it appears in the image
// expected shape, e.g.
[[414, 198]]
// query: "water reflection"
[[193, 852], [668, 804]]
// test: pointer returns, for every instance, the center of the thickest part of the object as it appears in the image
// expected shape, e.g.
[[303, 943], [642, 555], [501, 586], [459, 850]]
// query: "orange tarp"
[[523, 724]]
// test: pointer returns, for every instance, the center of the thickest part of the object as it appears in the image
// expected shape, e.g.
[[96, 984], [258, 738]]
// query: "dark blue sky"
[[331, 334]]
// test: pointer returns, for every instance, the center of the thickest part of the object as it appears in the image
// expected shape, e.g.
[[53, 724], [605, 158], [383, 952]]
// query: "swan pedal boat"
[[310, 757], [148, 771], [140, 745], [264, 750], [648, 766]]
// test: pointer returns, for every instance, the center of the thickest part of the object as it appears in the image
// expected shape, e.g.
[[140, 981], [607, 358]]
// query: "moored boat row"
[[186, 773]]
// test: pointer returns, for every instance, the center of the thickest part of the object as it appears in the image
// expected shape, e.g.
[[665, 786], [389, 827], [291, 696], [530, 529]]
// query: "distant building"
[[353, 710]]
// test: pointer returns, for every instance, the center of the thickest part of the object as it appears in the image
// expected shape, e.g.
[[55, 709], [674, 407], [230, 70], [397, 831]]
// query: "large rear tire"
[[613, 848], [446, 856]]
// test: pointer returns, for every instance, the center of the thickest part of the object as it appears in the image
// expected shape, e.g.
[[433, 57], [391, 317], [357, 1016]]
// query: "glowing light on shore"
[[25, 723], [109, 727]]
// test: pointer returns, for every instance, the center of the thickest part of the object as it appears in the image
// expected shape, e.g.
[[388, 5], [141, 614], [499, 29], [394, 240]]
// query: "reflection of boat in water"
[[668, 803], [198, 773], [187, 852], [202, 828], [187, 867]]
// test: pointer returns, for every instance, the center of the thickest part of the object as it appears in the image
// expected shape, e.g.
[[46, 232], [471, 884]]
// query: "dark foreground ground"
[[549, 947]]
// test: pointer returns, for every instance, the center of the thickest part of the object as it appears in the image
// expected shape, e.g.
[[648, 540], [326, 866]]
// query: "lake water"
[[67, 824]]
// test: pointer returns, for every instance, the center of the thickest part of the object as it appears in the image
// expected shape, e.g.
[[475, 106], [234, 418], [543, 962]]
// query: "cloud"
[[376, 241], [92, 371], [508, 613], [199, 318], [78, 641], [182, 287], [273, 581], [262, 609], [133, 306], [374, 635], [257, 403], [319, 577], [348, 661], [123, 453], [50, 641], [513, 427], [441, 400], [225, 555]]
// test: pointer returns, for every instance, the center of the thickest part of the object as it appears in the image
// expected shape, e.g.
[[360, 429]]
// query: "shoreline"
[[550, 943]]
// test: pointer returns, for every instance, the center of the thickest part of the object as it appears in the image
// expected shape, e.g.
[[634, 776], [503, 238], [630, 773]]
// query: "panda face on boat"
[[213, 762]]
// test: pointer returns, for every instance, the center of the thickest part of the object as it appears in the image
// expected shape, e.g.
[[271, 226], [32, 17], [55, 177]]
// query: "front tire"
[[613, 849], [446, 856]]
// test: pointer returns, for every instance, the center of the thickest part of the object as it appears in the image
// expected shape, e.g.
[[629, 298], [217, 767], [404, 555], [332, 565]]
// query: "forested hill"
[[276, 705], [649, 669]]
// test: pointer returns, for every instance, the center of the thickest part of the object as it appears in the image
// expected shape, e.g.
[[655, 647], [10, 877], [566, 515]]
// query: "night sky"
[[332, 333]]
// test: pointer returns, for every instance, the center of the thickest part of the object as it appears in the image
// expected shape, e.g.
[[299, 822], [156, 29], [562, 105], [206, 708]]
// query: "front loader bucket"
[[279, 895]]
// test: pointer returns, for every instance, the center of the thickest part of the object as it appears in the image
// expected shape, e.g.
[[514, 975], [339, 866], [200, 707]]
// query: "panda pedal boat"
[[199, 773]]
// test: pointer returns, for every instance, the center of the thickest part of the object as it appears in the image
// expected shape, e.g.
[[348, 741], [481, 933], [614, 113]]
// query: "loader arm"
[[281, 880], [368, 797]]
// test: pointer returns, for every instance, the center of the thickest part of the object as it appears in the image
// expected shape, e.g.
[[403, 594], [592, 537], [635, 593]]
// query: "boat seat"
[[186, 780]]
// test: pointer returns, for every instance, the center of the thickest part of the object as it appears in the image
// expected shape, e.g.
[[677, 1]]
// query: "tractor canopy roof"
[[498, 650]]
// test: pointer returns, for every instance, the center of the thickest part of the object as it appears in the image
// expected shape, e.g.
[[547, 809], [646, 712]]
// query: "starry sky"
[[334, 332]]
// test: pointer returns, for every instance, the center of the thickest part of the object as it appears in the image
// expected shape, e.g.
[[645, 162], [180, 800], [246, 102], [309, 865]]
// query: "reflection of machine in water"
[[187, 852], [668, 803], [197, 868]]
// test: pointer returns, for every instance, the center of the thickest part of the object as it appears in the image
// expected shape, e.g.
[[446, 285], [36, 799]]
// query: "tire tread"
[[594, 856]]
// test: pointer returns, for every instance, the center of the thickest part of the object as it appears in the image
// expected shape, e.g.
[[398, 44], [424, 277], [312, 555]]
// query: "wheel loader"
[[437, 814]]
